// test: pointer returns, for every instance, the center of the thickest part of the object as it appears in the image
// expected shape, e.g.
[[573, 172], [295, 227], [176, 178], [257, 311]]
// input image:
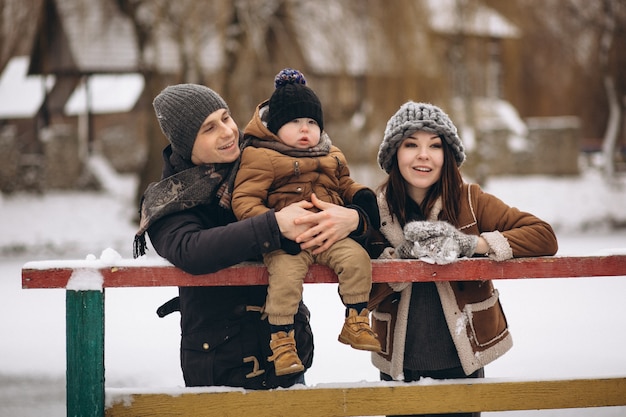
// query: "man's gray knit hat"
[[410, 118], [181, 109]]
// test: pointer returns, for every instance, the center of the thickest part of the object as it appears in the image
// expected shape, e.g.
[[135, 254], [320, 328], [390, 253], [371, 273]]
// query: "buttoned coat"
[[268, 178], [472, 309], [223, 342]]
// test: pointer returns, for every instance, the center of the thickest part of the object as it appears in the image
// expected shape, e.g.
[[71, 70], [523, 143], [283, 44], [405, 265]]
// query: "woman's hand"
[[326, 227], [437, 240]]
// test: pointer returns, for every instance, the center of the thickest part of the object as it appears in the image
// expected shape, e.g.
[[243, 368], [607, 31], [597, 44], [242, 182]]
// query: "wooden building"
[[363, 58]]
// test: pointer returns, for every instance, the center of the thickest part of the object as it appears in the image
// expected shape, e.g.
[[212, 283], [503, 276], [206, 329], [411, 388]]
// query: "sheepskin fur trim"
[[395, 367], [500, 250], [460, 324]]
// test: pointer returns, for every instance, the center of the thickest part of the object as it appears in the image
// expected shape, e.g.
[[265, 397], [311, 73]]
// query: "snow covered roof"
[[21, 95], [321, 23], [109, 94], [99, 37]]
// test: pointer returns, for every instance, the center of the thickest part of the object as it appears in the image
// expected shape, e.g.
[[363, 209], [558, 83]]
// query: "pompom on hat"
[[181, 109], [292, 99], [413, 117]]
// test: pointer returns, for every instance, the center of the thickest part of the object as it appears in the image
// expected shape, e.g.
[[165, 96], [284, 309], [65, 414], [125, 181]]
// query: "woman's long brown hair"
[[448, 187]]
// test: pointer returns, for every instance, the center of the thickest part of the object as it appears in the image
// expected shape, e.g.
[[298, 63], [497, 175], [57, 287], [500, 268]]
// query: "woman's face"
[[217, 140], [420, 161]]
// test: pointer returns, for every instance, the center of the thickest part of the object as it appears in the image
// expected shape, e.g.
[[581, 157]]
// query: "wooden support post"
[[85, 353]]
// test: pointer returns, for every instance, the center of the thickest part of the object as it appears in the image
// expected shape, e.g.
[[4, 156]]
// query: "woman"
[[442, 330], [187, 215]]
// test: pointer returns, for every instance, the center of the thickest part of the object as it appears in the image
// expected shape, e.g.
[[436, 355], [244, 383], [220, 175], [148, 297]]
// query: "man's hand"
[[286, 219], [326, 227]]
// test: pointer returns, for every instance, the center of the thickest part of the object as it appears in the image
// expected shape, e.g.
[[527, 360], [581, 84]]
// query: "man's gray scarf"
[[186, 189], [201, 185]]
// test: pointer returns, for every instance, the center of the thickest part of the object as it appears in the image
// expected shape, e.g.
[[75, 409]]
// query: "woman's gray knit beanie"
[[181, 109], [410, 118]]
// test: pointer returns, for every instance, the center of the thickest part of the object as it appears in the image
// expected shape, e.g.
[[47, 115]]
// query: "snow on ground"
[[561, 328]]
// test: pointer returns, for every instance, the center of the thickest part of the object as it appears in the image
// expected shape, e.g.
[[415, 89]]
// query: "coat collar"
[[391, 224]]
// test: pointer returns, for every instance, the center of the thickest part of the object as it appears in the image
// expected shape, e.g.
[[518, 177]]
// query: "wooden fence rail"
[[85, 281]]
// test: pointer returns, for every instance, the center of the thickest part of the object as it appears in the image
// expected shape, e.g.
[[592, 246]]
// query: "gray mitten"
[[418, 231], [441, 249], [440, 240], [409, 249], [405, 250], [467, 243]]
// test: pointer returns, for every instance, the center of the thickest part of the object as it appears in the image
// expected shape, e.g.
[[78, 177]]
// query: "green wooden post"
[[85, 353]]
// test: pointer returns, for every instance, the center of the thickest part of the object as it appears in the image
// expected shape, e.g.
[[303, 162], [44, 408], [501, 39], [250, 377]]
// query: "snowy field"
[[561, 328]]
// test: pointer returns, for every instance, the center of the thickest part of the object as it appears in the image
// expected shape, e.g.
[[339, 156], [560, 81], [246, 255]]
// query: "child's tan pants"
[[346, 257]]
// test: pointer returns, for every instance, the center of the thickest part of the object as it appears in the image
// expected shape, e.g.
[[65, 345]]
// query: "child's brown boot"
[[285, 356], [357, 332]]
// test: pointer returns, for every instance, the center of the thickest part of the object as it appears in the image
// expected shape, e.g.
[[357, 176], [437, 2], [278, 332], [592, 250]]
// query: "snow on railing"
[[85, 282]]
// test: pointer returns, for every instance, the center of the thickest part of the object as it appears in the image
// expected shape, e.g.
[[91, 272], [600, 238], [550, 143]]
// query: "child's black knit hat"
[[292, 99]]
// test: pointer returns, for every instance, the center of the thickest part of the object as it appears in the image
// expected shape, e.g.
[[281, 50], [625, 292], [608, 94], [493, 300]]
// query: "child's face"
[[420, 160], [217, 140], [301, 133]]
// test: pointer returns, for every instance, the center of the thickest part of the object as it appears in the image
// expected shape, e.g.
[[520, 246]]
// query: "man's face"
[[217, 140]]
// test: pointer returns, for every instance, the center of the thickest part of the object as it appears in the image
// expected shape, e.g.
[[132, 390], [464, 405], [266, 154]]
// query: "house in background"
[[72, 96], [100, 98], [360, 65], [21, 100], [50, 150]]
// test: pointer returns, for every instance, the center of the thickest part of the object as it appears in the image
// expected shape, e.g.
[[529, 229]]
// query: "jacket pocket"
[[487, 322], [381, 325], [209, 356], [384, 321], [211, 339]]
